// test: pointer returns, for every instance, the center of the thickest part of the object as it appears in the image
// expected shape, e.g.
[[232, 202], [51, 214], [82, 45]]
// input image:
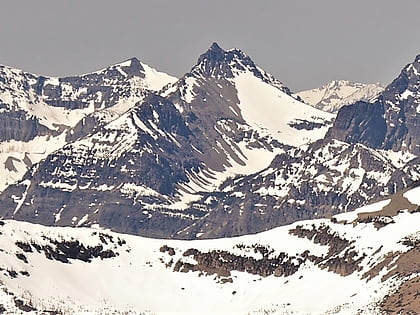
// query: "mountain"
[[334, 95], [38, 114], [283, 208], [370, 151], [224, 151], [361, 262], [140, 172], [389, 123]]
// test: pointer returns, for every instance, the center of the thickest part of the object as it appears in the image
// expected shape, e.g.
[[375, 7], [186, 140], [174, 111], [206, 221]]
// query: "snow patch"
[[351, 216], [413, 196], [273, 110]]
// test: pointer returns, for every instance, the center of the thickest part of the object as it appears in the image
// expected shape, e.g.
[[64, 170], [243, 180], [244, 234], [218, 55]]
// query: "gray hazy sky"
[[303, 43]]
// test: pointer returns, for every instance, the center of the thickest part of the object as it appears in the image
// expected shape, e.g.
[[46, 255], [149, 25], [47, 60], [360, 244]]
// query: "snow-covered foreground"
[[314, 267]]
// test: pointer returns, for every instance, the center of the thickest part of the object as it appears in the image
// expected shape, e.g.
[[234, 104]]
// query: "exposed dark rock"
[[64, 250], [22, 257], [341, 257], [304, 124], [222, 263], [166, 248], [19, 126], [23, 306], [12, 273], [360, 123], [26, 247], [378, 221]]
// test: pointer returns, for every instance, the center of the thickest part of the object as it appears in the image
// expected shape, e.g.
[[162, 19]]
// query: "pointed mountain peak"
[[415, 66], [130, 67], [214, 54], [412, 70], [217, 62], [407, 82], [215, 47], [129, 63]]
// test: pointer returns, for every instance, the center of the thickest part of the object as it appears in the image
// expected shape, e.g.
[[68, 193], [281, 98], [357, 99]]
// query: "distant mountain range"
[[334, 95], [139, 172], [225, 150], [319, 188]]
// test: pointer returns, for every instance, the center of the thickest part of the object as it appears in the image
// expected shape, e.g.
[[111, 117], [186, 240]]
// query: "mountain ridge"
[[38, 111], [338, 93], [208, 155], [219, 191], [206, 132]]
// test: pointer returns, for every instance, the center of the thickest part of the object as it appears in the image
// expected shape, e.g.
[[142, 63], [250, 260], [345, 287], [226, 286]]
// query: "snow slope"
[[273, 110], [137, 274]]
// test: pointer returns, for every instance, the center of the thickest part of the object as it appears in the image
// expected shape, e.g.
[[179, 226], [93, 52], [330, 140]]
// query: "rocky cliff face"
[[390, 123], [401, 102], [323, 180]]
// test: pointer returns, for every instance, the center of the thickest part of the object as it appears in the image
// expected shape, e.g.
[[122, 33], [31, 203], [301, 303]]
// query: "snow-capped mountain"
[[371, 150], [140, 172], [366, 261], [224, 151], [37, 113], [334, 95]]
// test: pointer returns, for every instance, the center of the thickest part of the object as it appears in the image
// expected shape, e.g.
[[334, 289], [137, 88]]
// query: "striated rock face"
[[369, 152], [17, 126], [360, 123], [107, 175], [327, 178], [401, 100]]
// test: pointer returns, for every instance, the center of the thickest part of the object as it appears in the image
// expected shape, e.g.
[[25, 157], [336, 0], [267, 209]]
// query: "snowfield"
[[112, 272], [274, 111]]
